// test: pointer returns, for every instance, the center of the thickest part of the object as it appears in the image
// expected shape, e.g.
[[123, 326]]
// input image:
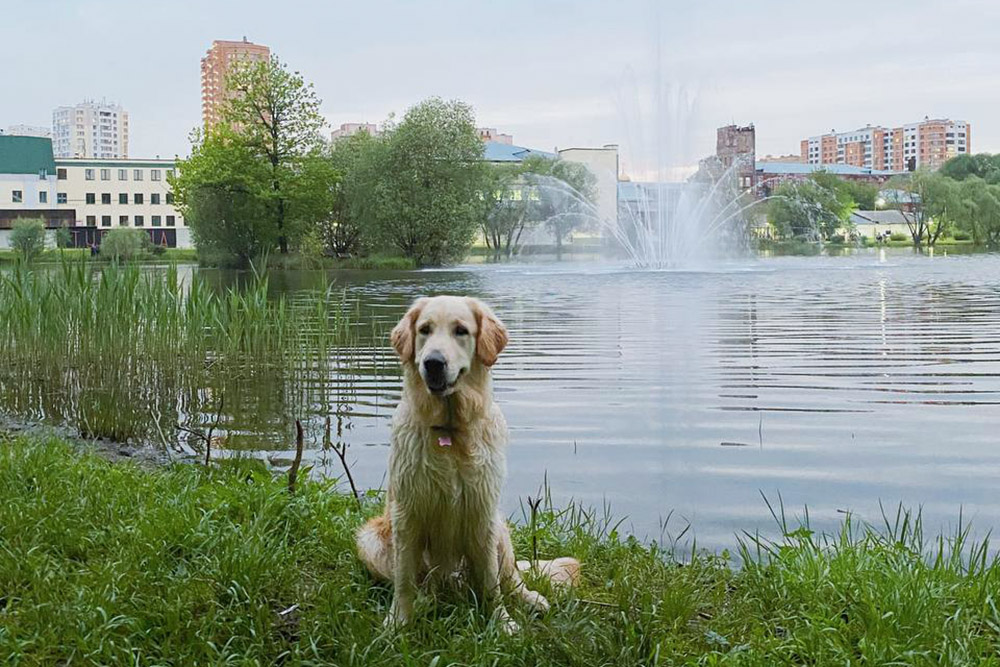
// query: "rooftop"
[[805, 168], [26, 155], [494, 151]]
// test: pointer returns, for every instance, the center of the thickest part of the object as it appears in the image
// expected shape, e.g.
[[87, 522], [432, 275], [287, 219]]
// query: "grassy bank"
[[105, 563], [55, 256]]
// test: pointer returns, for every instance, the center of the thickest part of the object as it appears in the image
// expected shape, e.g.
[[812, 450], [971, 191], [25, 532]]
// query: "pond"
[[837, 382]]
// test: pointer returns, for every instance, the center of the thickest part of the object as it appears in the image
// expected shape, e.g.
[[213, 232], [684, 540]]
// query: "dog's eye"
[[461, 331], [424, 330]]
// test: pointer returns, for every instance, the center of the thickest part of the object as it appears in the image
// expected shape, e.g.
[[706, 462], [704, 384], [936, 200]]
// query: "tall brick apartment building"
[[214, 68], [928, 143]]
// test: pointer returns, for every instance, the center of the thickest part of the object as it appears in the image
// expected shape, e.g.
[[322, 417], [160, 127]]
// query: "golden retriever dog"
[[447, 466]]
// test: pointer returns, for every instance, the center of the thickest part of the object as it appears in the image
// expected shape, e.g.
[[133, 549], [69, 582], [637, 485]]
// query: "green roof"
[[26, 155]]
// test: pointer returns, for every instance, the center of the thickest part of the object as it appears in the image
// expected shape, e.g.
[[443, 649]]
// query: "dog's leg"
[[484, 571], [510, 576], [408, 550]]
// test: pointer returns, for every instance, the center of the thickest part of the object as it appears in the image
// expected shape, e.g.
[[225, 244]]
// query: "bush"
[[898, 236], [158, 249], [28, 238], [837, 238], [962, 236], [63, 238], [124, 244]]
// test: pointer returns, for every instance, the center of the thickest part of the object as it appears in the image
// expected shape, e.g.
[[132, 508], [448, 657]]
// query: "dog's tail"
[[374, 540]]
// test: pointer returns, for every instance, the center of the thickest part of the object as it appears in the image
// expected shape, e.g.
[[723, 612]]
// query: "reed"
[[107, 350]]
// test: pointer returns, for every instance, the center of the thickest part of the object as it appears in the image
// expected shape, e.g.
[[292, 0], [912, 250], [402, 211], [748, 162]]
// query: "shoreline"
[[106, 562]]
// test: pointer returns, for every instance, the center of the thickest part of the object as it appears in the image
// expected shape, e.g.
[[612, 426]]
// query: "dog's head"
[[444, 336]]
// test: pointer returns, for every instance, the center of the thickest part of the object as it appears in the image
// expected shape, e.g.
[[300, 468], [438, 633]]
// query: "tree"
[[566, 193], [27, 238], [807, 210], [357, 159], [430, 182], [223, 191], [276, 115], [124, 244], [981, 165], [507, 198], [979, 204], [928, 202]]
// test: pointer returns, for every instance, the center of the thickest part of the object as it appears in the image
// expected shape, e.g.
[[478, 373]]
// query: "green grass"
[[111, 563], [57, 255]]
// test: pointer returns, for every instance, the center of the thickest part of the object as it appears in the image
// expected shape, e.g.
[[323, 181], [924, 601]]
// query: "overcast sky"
[[553, 73]]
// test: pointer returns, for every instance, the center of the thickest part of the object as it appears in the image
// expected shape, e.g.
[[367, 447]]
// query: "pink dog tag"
[[444, 441]]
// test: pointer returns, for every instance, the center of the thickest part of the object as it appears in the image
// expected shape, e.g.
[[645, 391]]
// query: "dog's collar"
[[448, 429]]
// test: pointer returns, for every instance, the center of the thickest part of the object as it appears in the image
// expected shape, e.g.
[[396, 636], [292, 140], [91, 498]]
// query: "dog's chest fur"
[[460, 483]]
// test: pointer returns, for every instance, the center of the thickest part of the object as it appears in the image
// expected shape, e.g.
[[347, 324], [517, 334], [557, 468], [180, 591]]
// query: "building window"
[[170, 197], [43, 197], [91, 198], [122, 197], [137, 174], [170, 221], [61, 174], [105, 174], [105, 197], [156, 221], [88, 174], [123, 174], [154, 174], [60, 197], [154, 198], [123, 220], [105, 221], [91, 220], [138, 221], [137, 198]]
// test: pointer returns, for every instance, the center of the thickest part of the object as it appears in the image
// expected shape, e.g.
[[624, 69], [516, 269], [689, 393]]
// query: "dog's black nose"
[[434, 364]]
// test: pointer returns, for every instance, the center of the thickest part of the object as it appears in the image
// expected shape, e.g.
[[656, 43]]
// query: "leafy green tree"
[[808, 210], [430, 182], [566, 193], [27, 238], [981, 165], [507, 198], [276, 115], [357, 160], [223, 190], [979, 204], [64, 238], [930, 206], [124, 244]]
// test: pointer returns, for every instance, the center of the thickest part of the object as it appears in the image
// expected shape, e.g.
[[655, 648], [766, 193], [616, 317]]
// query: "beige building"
[[215, 67], [491, 134], [87, 196], [603, 163], [928, 143], [90, 130]]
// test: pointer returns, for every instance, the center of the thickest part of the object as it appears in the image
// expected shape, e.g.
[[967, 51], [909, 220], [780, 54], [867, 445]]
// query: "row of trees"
[[265, 178], [962, 198]]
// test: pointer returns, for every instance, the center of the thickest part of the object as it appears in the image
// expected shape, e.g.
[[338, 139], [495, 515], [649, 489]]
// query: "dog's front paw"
[[397, 617], [507, 625], [535, 601]]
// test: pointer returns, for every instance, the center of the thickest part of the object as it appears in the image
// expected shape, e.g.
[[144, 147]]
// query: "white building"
[[90, 130], [28, 131], [88, 196], [349, 129]]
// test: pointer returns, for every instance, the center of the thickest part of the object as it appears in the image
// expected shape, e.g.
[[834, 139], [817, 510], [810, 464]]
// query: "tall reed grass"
[[128, 354]]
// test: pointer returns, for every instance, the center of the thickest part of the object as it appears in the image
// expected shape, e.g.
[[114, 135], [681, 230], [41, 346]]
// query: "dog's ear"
[[402, 334], [491, 337]]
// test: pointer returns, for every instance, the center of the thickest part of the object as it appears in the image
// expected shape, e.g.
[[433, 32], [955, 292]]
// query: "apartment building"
[[28, 131], [87, 196], [925, 144], [215, 67], [491, 134], [736, 149], [348, 129], [90, 130]]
